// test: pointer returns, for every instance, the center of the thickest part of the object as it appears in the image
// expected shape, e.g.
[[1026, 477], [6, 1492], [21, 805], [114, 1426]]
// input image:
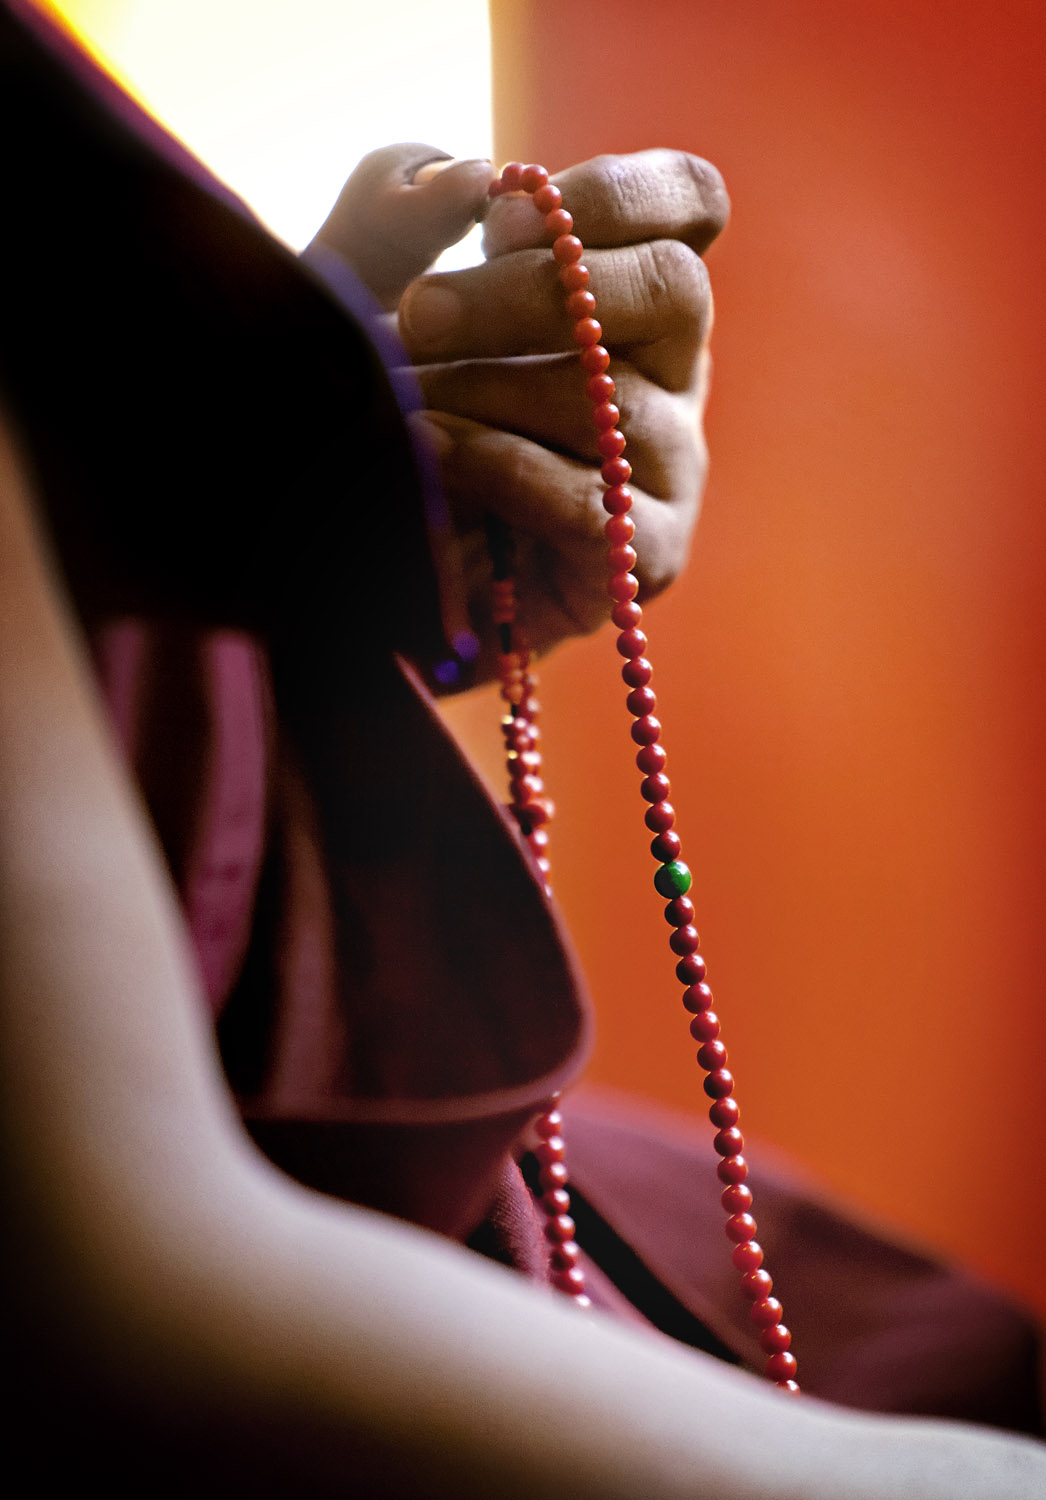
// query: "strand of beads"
[[672, 879]]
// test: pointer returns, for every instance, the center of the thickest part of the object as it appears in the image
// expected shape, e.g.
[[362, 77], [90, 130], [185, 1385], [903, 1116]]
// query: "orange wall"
[[851, 670]]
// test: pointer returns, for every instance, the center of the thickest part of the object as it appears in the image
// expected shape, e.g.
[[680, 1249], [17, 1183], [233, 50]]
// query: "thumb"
[[401, 207]]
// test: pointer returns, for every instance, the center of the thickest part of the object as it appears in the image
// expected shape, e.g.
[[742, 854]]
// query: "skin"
[[506, 408], [182, 1318]]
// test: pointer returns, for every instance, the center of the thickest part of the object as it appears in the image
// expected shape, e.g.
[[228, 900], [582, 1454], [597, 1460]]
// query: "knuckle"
[[674, 282], [711, 190]]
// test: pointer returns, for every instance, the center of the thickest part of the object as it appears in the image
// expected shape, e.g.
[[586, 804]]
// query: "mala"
[[532, 809]]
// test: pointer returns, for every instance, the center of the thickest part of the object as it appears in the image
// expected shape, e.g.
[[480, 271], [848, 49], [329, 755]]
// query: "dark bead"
[[724, 1112], [705, 1028], [656, 789], [718, 1084], [698, 997], [646, 731], [673, 879], [729, 1142], [668, 845], [679, 912], [638, 672], [712, 1056], [631, 643], [732, 1169], [651, 758], [689, 969], [659, 819], [684, 940], [640, 701]]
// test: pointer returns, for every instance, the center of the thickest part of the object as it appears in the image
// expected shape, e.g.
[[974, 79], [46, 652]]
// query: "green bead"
[[673, 880]]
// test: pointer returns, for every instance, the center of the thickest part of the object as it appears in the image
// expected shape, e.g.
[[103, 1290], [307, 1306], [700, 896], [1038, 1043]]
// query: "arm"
[[164, 1276]]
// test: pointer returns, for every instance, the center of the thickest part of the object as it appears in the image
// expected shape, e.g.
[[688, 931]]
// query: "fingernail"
[[430, 170], [429, 312]]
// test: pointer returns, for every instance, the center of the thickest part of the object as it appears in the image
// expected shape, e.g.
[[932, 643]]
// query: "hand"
[[505, 403]]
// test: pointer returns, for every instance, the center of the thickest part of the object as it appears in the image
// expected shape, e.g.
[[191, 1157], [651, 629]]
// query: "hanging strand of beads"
[[672, 878]]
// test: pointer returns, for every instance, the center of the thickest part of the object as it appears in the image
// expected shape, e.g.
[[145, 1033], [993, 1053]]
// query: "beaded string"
[[532, 809]]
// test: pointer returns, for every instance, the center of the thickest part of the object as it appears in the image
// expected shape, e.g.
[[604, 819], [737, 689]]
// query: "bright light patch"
[[282, 97]]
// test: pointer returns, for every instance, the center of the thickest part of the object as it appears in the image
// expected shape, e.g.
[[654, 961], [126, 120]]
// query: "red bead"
[[698, 997], [594, 359], [679, 912], [533, 177], [565, 1255], [641, 701], [718, 1084], [667, 846], [617, 500], [599, 389], [547, 198], [611, 443], [605, 415], [736, 1199], [788, 1386], [512, 177], [621, 558], [574, 278], [550, 1123], [748, 1257], [757, 1285], [775, 1339], [638, 672], [582, 304], [631, 643], [740, 1227], [659, 819], [559, 222], [646, 731], [655, 788], [650, 759], [684, 940], [766, 1312], [724, 1112], [627, 615], [568, 248], [616, 471], [732, 1169], [555, 1175], [618, 529], [561, 1228], [781, 1367], [705, 1028], [729, 1142], [587, 331], [556, 1201], [622, 586], [572, 1281], [712, 1055], [553, 1148]]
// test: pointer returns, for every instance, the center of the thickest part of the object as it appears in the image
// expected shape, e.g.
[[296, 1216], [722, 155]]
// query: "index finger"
[[621, 200]]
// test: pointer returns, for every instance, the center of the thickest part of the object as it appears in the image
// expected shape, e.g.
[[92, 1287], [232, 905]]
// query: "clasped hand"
[[505, 405]]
